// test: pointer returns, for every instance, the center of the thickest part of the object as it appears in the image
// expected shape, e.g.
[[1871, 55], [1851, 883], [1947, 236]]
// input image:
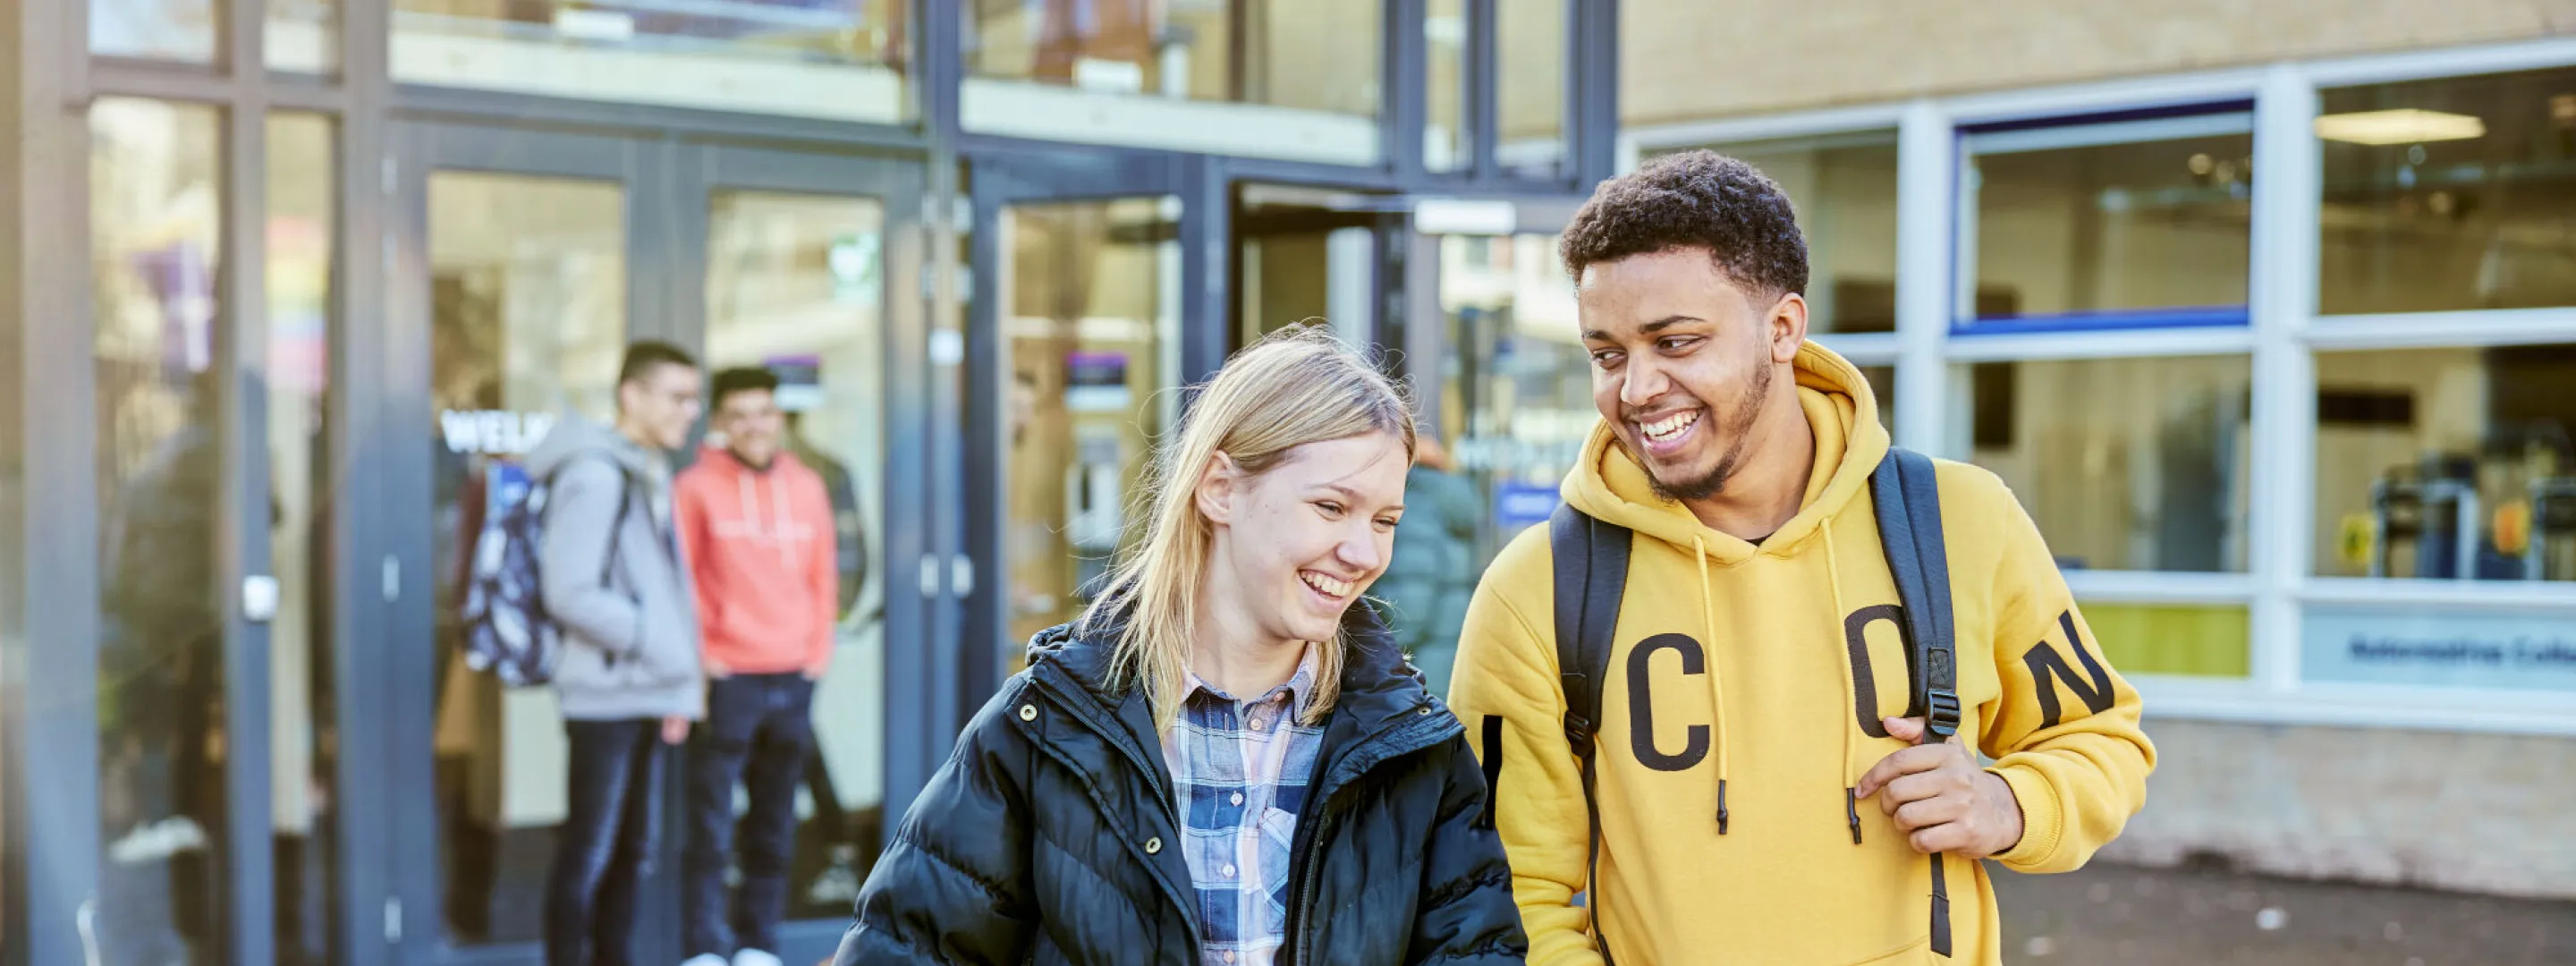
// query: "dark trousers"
[[605, 846], [757, 732]]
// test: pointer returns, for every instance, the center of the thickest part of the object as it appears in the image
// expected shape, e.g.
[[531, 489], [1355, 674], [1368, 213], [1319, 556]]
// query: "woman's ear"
[[1218, 488]]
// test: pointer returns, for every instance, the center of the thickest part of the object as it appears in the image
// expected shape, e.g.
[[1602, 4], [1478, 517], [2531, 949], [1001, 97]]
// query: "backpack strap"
[[625, 505], [1591, 571], [1907, 499]]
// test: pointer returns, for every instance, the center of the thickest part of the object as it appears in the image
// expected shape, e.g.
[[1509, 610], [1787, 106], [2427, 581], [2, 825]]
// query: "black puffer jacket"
[[1050, 836]]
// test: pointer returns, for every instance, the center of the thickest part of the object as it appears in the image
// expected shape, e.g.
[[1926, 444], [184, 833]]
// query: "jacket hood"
[[1609, 484], [575, 435]]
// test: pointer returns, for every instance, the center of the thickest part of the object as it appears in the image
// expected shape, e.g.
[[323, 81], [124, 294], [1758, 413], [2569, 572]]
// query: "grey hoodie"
[[630, 639]]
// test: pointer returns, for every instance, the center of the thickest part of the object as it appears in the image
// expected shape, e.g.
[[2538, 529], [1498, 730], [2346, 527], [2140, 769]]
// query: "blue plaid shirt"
[[1239, 770]]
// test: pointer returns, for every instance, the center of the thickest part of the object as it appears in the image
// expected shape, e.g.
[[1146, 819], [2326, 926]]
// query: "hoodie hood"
[[574, 435], [1610, 485]]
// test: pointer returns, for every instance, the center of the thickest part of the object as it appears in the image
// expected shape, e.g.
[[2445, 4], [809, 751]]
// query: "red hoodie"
[[760, 543]]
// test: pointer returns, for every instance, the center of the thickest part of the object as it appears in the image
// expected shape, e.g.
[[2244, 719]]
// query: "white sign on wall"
[[2383, 645]]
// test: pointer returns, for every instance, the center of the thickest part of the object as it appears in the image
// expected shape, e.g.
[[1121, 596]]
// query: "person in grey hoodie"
[[613, 577]]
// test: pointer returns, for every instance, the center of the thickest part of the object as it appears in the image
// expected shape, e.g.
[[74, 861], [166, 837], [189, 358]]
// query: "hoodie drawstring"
[[1851, 700], [1708, 618]]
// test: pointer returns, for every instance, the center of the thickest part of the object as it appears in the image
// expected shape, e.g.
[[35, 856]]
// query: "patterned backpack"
[[507, 629]]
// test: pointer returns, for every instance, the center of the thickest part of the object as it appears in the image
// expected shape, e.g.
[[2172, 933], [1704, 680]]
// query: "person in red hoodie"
[[760, 537]]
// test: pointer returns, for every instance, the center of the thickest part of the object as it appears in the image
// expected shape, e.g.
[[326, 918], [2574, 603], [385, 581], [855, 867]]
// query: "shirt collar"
[[1300, 686]]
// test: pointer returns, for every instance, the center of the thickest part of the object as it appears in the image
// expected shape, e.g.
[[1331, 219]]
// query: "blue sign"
[[2378, 645], [1518, 506]]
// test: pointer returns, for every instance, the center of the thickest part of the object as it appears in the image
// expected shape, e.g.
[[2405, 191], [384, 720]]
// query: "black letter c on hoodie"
[[1641, 703]]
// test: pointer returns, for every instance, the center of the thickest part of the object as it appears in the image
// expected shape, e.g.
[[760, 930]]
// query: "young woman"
[[1224, 762]]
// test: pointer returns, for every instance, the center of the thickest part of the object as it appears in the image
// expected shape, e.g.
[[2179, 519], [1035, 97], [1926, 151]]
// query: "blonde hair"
[[1298, 386]]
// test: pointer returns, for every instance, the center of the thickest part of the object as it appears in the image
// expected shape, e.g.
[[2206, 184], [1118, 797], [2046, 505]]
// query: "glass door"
[[798, 252], [208, 834], [1081, 337], [514, 301]]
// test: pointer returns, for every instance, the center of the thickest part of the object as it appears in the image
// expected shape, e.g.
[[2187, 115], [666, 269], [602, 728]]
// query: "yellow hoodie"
[[1749, 661]]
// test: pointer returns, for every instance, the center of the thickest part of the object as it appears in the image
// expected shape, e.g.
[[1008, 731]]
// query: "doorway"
[[529, 261]]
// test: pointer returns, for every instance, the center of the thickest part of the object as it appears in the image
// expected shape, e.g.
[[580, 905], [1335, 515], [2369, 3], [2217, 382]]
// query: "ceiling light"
[[2402, 126]]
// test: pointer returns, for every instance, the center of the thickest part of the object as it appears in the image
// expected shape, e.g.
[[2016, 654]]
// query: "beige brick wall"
[[1690, 60], [2470, 812]]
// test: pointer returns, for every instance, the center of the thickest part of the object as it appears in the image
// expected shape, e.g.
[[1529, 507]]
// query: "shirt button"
[[1154, 846], [1229, 955], [1256, 724], [1028, 712], [1227, 872], [1238, 798]]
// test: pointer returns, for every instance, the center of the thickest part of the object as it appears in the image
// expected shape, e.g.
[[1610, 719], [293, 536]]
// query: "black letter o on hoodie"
[[1641, 703]]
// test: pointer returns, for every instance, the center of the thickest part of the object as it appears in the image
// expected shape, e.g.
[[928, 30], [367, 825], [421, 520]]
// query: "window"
[[302, 477], [164, 29], [839, 61], [1530, 38], [154, 174], [1298, 81], [2126, 464], [1844, 189], [2128, 224], [1516, 383], [2447, 464], [2449, 195], [1448, 135], [1094, 324]]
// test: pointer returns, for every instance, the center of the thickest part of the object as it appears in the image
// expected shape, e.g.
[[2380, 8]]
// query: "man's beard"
[[1739, 434]]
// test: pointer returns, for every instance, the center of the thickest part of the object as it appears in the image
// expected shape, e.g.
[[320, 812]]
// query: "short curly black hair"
[[1694, 199]]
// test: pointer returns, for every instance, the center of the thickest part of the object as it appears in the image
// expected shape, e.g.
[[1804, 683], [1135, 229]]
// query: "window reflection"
[[155, 173], [1094, 321]]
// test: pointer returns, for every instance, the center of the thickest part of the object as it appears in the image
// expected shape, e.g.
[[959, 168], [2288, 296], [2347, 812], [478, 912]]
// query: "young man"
[[1756, 803], [759, 528], [615, 579]]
